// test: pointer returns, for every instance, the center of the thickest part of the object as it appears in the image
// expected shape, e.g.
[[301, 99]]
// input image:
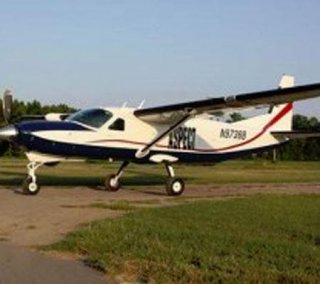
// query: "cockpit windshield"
[[91, 117]]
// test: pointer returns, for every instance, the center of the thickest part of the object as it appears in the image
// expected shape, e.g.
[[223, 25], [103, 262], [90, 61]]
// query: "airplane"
[[176, 133]]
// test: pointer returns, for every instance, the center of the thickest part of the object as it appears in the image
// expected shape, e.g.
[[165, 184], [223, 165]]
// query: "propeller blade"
[[7, 105]]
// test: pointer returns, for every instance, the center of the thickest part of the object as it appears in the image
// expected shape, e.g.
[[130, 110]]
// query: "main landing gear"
[[29, 185], [174, 185]]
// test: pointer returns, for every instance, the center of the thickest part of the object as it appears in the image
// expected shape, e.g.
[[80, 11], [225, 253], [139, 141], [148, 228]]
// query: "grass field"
[[13, 171], [259, 239]]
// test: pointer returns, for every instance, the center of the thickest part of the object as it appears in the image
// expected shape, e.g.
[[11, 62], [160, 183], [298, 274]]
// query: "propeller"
[[7, 106], [7, 131]]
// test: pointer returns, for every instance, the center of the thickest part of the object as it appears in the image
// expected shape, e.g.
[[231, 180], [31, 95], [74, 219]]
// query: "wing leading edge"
[[174, 112]]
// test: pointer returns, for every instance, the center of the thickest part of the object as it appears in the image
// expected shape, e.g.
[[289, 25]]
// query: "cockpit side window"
[[118, 124], [91, 117]]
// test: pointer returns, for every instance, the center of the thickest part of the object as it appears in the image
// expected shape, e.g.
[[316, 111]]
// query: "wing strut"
[[144, 151]]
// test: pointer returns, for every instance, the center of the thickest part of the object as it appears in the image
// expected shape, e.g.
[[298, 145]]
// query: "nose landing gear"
[[29, 185]]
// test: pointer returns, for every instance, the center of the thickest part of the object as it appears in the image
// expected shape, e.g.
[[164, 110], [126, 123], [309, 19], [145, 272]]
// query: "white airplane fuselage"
[[200, 139]]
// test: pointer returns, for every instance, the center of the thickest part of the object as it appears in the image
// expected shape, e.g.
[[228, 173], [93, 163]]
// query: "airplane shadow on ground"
[[47, 180], [136, 182]]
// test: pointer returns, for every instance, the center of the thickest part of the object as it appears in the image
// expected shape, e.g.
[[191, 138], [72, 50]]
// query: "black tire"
[[110, 183], [29, 187], [175, 186]]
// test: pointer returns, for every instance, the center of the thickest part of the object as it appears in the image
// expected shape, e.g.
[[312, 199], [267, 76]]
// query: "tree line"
[[302, 149], [19, 109], [299, 149]]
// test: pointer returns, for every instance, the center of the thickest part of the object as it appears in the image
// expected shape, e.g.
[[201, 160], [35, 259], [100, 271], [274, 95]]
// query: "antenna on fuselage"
[[124, 105], [141, 104]]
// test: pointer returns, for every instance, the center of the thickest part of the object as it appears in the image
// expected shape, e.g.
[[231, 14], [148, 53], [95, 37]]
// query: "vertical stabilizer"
[[286, 81], [284, 112]]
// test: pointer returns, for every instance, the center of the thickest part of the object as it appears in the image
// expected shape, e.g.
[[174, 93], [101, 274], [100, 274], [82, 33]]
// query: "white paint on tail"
[[285, 123]]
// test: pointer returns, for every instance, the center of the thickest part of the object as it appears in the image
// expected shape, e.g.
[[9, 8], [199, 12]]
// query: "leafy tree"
[[302, 149]]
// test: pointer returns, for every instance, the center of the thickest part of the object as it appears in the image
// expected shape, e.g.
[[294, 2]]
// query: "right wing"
[[172, 113], [52, 116]]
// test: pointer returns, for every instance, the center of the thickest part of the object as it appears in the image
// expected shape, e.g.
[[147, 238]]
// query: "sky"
[[107, 52]]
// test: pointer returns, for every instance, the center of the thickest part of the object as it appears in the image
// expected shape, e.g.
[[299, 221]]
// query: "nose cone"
[[8, 132]]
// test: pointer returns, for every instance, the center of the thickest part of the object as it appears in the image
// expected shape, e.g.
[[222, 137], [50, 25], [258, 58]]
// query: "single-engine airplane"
[[183, 132]]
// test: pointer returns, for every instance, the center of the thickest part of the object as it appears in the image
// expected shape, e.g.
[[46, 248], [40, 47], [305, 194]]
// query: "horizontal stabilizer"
[[298, 134]]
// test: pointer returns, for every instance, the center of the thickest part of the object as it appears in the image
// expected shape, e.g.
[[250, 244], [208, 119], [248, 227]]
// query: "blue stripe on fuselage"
[[33, 126], [34, 143]]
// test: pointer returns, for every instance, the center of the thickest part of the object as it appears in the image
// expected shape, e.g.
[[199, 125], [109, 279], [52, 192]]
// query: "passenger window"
[[117, 125]]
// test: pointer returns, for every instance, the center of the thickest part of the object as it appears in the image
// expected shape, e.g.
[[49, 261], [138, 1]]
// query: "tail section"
[[278, 118], [283, 113]]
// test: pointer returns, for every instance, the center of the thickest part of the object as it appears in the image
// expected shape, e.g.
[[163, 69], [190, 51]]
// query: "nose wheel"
[[175, 185], [29, 185]]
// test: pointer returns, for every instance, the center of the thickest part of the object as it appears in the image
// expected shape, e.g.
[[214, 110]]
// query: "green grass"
[[257, 239], [13, 171]]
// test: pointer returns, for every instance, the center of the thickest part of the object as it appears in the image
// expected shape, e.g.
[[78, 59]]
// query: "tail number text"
[[229, 133]]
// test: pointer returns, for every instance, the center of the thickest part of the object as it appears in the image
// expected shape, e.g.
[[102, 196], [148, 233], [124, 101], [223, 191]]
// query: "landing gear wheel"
[[29, 187], [175, 186], [112, 183]]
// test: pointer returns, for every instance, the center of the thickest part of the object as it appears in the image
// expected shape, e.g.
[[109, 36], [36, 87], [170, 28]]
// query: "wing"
[[49, 116], [174, 112]]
